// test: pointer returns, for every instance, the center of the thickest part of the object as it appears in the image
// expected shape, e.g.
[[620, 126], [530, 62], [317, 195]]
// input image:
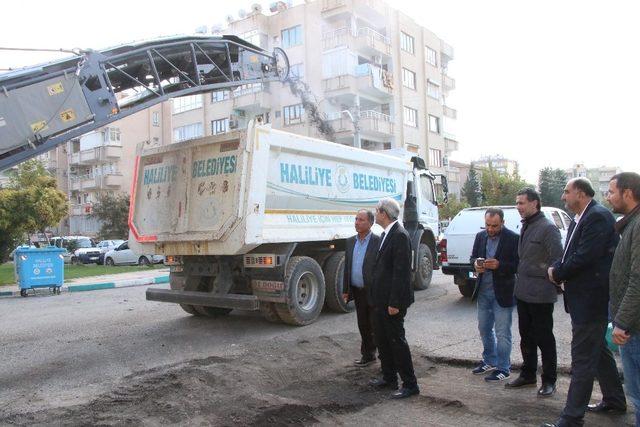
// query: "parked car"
[[122, 255], [456, 246], [84, 250], [105, 246]]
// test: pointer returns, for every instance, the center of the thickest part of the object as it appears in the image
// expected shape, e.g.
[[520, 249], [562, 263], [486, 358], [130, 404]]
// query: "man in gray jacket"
[[539, 247], [624, 285]]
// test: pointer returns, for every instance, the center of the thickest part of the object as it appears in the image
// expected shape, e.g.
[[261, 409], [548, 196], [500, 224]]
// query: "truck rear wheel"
[[269, 312], [176, 282], [334, 282], [305, 286], [467, 288], [424, 271], [211, 311]]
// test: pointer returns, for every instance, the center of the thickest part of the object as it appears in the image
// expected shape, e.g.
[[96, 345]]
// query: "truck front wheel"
[[424, 272], [334, 281], [467, 287], [305, 286]]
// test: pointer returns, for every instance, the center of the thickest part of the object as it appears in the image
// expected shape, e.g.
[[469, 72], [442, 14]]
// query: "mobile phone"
[[480, 262]]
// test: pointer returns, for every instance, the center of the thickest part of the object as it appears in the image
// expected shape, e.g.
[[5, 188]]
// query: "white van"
[[456, 246]]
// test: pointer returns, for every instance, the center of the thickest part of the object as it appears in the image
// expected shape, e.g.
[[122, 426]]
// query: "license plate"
[[93, 258]]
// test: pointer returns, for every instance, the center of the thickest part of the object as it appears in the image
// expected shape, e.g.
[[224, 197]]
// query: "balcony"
[[370, 81], [89, 182], [253, 98], [366, 41], [450, 112], [448, 83], [450, 142], [373, 125], [76, 210], [375, 11], [447, 51], [96, 155]]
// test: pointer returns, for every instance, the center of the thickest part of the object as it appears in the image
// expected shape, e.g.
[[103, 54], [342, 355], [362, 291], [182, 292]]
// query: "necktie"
[[381, 240]]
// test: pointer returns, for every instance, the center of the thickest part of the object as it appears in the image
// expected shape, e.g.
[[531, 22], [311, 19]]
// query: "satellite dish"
[[201, 30], [242, 14], [230, 19], [216, 29], [256, 7]]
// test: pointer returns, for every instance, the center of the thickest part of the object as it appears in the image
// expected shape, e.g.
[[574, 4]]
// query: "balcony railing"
[[448, 83], [365, 38], [450, 112]]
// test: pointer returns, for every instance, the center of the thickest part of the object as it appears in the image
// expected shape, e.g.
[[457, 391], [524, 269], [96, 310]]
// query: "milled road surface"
[[111, 357]]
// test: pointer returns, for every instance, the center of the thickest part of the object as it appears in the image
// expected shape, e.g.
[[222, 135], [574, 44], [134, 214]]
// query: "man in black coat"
[[391, 295], [495, 259], [583, 272], [360, 255]]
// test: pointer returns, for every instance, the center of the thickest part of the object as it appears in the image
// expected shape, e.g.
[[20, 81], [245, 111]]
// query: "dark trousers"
[[364, 312], [393, 349], [535, 323], [591, 358]]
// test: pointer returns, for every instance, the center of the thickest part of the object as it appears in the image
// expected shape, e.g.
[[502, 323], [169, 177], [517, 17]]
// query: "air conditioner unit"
[[256, 8], [242, 13]]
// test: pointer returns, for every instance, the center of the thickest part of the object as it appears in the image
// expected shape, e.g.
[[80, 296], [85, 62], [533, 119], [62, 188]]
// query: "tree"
[[113, 212], [451, 208], [551, 184], [501, 189], [30, 203], [471, 188]]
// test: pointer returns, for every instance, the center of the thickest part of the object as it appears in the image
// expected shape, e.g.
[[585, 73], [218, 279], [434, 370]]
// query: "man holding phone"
[[495, 259]]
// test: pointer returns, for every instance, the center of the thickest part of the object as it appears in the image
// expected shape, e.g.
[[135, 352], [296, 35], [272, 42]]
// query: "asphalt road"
[[68, 349]]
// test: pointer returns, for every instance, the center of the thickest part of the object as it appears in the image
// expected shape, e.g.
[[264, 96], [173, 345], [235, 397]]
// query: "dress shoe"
[[559, 423], [520, 382], [364, 361], [604, 408], [382, 383], [546, 390], [405, 392]]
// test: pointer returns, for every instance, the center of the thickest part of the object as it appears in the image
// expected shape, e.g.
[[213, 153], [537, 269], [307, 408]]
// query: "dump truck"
[[256, 219]]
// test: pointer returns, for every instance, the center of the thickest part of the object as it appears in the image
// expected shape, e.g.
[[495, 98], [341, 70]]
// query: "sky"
[[546, 83]]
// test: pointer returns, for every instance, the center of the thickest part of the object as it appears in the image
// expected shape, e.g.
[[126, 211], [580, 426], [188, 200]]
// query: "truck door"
[[427, 207]]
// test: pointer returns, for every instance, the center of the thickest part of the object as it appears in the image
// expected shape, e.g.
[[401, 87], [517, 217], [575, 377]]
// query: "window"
[[410, 117], [292, 114], [297, 70], [408, 78], [155, 118], [219, 95], [434, 124], [432, 56], [566, 219], [425, 188], [111, 134], [435, 157], [292, 36], [407, 43], [557, 220], [183, 133], [219, 126], [252, 37], [186, 103], [433, 90]]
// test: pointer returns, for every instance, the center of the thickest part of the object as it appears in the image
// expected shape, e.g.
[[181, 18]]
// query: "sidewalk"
[[107, 281]]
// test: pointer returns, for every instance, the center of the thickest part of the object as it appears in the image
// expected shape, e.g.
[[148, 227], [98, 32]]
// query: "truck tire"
[[304, 282], [333, 280], [467, 288], [176, 282], [424, 271], [212, 311], [269, 312]]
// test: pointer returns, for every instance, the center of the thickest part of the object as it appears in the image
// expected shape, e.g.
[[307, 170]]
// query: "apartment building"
[[101, 161], [457, 173], [599, 177], [498, 163], [380, 78]]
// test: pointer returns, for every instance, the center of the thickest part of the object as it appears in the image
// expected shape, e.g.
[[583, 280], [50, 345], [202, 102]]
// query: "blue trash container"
[[39, 268]]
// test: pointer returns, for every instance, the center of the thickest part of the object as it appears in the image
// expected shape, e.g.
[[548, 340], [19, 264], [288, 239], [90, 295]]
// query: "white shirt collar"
[[386, 230], [576, 218]]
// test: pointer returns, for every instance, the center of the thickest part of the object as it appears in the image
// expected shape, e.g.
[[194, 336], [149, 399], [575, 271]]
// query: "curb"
[[101, 285]]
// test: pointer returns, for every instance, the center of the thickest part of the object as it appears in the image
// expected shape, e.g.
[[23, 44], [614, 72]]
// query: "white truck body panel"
[[227, 194]]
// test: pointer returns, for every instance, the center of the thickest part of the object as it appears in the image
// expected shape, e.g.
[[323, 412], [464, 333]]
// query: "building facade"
[[498, 163], [379, 78], [599, 177]]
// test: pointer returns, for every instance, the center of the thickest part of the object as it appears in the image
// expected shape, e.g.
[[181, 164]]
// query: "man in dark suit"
[[583, 272], [495, 259], [391, 295], [359, 259]]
